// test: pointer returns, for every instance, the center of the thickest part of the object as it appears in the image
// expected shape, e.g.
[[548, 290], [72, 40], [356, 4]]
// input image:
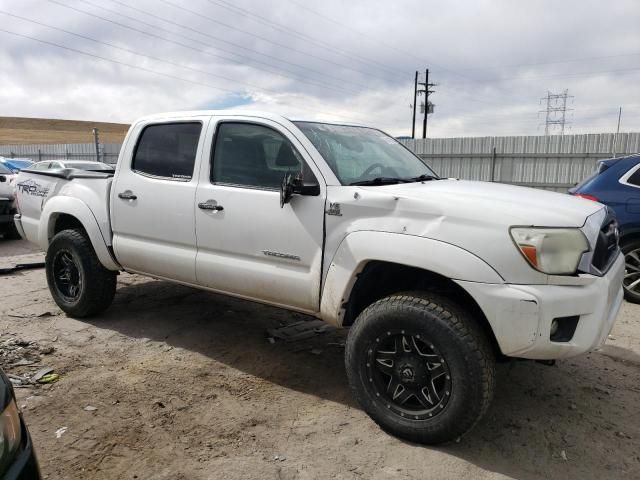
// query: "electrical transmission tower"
[[426, 107], [556, 112]]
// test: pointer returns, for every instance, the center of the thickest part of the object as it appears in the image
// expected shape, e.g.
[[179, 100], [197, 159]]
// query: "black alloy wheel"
[[631, 280], [67, 277], [421, 366], [410, 374]]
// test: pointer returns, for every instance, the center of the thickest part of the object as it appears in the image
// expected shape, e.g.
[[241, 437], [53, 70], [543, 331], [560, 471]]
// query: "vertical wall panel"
[[552, 162]]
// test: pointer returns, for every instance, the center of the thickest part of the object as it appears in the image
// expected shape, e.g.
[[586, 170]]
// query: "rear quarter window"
[[167, 150], [634, 178]]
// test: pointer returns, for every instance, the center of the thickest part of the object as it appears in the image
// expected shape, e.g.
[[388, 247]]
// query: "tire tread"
[[465, 328], [100, 283]]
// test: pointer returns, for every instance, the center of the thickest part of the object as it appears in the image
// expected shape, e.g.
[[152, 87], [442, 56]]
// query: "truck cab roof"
[[240, 113]]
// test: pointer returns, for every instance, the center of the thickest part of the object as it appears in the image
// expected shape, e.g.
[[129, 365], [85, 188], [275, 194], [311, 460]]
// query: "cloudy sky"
[[340, 60]]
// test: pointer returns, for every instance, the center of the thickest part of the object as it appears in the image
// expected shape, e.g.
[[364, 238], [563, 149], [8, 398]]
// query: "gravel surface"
[[175, 383]]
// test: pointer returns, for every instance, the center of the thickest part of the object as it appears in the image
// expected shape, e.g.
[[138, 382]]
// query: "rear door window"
[[167, 150]]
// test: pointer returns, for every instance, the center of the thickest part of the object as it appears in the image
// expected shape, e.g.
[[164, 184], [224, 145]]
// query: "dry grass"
[[16, 130]]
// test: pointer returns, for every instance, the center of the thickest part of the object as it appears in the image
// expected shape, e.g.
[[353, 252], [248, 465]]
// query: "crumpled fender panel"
[[358, 248]]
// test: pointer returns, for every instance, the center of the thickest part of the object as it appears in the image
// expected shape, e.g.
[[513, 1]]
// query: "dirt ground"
[[185, 385], [19, 130]]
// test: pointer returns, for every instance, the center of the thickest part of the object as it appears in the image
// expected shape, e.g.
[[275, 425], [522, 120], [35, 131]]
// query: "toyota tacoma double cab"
[[435, 278]]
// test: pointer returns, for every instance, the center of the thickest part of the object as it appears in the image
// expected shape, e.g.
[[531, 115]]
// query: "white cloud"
[[362, 72]]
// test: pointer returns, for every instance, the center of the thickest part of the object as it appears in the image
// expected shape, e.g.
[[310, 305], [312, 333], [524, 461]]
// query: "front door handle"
[[210, 205], [127, 195]]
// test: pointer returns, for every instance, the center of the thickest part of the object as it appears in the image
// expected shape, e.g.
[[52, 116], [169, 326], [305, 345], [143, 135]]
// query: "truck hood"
[[494, 202], [473, 216]]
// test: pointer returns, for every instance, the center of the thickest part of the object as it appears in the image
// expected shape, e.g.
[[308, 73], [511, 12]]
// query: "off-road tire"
[[463, 346], [97, 284], [626, 247]]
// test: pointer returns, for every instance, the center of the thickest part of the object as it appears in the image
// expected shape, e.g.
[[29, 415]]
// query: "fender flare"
[[76, 208], [359, 248]]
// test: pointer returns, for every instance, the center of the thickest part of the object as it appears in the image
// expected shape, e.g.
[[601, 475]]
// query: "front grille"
[[607, 244]]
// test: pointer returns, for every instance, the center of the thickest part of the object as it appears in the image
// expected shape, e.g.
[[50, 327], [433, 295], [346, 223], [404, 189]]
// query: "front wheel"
[[420, 367], [631, 281], [78, 282]]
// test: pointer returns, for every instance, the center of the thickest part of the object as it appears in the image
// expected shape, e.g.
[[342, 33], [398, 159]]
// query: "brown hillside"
[[17, 130]]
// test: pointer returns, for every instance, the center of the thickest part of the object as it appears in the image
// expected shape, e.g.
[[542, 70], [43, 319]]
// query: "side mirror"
[[291, 185], [3, 179]]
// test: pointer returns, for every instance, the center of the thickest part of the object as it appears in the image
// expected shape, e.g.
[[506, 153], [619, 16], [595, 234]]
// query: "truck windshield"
[[365, 156]]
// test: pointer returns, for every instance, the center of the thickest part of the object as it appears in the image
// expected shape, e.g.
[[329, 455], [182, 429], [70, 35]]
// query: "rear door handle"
[[127, 195], [210, 205]]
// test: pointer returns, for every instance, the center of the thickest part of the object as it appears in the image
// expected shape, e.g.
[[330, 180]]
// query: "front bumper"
[[521, 315]]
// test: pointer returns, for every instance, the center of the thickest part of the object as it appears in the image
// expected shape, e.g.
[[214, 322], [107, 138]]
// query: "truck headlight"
[[10, 434], [555, 251]]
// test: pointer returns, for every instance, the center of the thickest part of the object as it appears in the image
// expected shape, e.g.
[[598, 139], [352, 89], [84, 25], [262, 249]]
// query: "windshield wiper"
[[381, 181], [421, 178]]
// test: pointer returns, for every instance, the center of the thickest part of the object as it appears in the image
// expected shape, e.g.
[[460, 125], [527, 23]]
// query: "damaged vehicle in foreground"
[[435, 278], [17, 457]]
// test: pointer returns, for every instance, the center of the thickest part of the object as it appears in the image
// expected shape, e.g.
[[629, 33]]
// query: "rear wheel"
[[78, 282], [420, 367], [631, 281]]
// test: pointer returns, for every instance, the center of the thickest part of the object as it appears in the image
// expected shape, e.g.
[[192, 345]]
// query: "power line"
[[553, 75], [138, 67], [371, 38], [265, 39], [288, 30], [100, 57], [156, 27], [332, 20], [360, 86], [339, 80], [151, 57], [554, 62], [213, 37], [351, 29]]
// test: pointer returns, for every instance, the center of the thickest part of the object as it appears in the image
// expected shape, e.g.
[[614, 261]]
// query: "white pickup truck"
[[436, 278]]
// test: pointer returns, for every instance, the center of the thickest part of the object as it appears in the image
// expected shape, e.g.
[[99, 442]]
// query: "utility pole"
[[415, 95], [556, 112], [619, 116], [615, 137], [428, 106], [97, 142], [426, 103]]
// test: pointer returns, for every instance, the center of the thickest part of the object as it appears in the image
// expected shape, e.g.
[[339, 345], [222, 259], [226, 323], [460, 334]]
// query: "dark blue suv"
[[616, 183]]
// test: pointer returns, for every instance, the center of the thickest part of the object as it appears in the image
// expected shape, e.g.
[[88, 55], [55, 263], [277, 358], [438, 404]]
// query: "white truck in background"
[[436, 278]]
